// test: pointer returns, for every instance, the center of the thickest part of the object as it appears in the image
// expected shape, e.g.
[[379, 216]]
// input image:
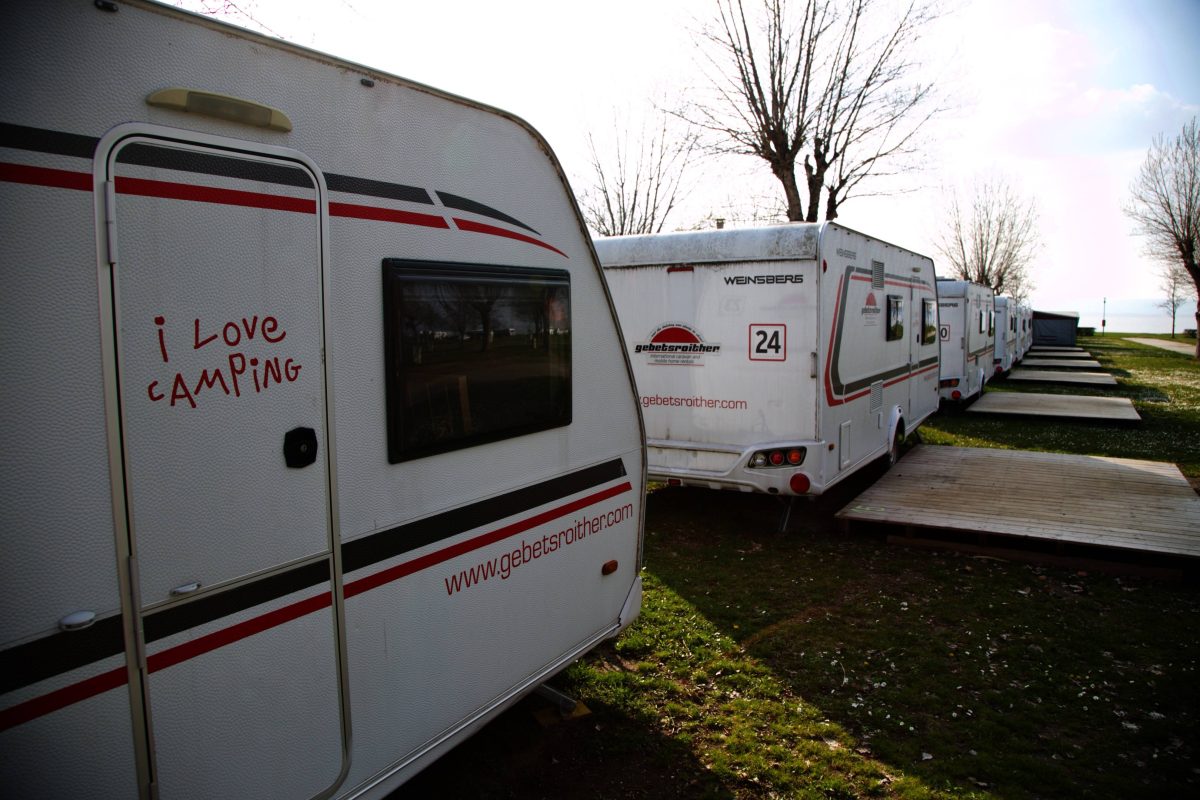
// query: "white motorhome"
[[321, 447], [1007, 348], [776, 359], [967, 332]]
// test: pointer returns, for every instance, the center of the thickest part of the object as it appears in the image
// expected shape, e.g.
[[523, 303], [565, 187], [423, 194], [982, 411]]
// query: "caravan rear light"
[[783, 457], [674, 482], [948, 383], [800, 483], [956, 395]]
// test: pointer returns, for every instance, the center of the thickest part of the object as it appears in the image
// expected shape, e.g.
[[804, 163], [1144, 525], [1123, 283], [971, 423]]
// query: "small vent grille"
[[876, 397], [876, 274]]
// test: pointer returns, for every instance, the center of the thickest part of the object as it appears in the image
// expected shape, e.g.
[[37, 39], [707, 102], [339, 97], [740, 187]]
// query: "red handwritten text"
[[236, 373]]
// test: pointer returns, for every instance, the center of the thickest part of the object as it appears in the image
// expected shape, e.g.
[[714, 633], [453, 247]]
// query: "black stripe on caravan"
[[61, 652], [166, 157], [386, 544], [370, 188], [466, 204], [190, 615], [43, 141]]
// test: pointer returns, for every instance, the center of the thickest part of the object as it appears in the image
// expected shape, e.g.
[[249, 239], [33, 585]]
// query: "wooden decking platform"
[[1073, 406], [1062, 376], [1060, 363], [1080, 505], [1054, 349], [1076, 355]]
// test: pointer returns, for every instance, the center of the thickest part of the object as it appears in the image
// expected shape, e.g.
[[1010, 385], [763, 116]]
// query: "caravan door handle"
[[77, 621]]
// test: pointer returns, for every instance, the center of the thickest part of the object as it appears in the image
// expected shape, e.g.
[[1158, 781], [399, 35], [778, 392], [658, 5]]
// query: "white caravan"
[[321, 445], [1025, 330], [1007, 346], [967, 335], [775, 359]]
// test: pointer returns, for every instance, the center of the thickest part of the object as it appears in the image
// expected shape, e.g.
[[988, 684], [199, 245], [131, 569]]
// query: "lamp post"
[[1104, 316]]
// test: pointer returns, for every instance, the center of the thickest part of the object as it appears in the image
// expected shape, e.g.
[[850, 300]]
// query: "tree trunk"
[[831, 205], [791, 191], [1197, 320]]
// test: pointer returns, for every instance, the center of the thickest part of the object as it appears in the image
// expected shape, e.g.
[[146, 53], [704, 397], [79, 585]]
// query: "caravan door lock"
[[300, 447]]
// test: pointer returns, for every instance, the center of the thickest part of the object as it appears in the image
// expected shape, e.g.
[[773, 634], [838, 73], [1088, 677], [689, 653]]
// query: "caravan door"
[[218, 298]]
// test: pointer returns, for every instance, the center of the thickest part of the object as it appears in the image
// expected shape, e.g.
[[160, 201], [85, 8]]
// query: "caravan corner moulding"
[[322, 446], [777, 359]]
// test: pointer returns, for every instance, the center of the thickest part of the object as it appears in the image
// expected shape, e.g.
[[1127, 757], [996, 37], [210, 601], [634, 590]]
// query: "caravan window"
[[474, 354], [895, 317], [928, 321], [991, 315]]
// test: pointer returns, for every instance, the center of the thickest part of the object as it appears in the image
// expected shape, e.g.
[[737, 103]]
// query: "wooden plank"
[[1060, 363], [1119, 409], [1124, 504], [1081, 356], [1052, 376]]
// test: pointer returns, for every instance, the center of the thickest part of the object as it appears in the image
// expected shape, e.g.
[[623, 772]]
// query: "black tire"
[[893, 454]]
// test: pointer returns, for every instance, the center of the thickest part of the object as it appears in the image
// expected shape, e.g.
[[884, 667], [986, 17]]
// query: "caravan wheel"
[[897, 440]]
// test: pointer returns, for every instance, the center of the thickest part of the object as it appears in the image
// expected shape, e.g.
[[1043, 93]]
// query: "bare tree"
[[1177, 289], [1164, 204], [637, 190], [828, 87], [994, 240]]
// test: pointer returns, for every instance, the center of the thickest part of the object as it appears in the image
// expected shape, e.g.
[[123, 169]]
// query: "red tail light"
[[800, 483]]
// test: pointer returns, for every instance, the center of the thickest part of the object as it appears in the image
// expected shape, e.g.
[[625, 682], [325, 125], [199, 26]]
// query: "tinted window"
[[895, 317], [473, 354], [928, 322]]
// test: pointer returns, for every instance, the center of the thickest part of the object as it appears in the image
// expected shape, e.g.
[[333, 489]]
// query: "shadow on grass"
[[967, 673], [605, 754]]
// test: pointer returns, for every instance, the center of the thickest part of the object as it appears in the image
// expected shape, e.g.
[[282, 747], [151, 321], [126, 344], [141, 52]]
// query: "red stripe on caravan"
[[492, 230], [903, 378], [207, 194], [39, 706], [234, 633], [66, 696], [44, 176], [424, 562], [377, 214]]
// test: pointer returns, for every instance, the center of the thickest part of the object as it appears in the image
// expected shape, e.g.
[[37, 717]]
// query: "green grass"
[[815, 664]]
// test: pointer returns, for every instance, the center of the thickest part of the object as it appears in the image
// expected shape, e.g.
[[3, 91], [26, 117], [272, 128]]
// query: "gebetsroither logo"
[[871, 310], [676, 344]]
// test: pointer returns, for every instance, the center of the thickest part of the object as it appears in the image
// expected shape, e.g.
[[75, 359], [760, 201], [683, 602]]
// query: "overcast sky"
[[1060, 97]]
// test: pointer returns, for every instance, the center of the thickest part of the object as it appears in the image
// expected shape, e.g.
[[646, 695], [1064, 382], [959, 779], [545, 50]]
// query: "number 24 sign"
[[768, 342]]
